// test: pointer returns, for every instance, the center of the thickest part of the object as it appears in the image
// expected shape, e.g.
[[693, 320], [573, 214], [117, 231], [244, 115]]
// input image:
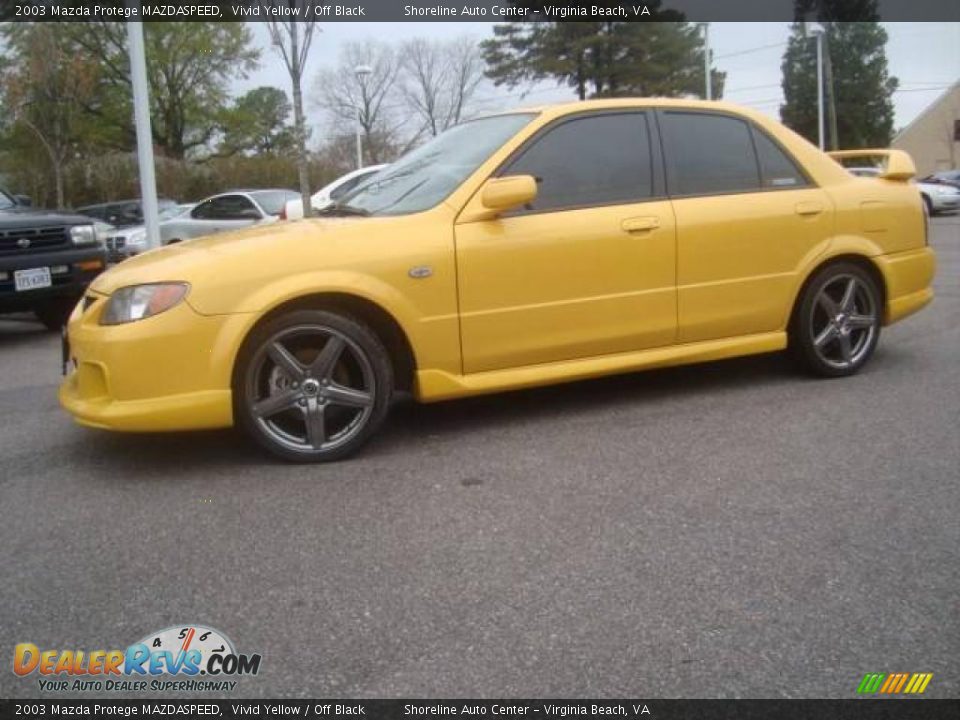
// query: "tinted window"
[[594, 160], [776, 167], [272, 201], [709, 154], [225, 207], [6, 202]]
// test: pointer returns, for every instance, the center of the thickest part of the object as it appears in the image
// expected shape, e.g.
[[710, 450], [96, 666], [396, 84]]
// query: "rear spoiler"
[[897, 165]]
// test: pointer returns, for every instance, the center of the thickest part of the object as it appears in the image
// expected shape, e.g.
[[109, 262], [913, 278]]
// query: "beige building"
[[933, 138]]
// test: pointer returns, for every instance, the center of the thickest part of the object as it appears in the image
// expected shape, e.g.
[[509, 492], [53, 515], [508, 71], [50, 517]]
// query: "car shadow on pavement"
[[410, 424], [21, 330], [410, 421]]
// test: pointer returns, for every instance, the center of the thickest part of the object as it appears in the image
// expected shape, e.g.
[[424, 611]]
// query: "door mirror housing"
[[23, 200], [506, 193]]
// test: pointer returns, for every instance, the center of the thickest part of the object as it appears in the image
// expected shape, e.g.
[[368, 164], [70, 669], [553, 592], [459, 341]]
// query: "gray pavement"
[[726, 530]]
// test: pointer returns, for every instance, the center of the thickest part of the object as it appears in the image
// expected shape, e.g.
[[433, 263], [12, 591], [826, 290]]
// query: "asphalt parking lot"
[[727, 530]]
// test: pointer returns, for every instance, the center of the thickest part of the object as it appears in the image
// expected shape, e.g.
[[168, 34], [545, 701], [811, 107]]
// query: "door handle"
[[640, 224], [808, 208]]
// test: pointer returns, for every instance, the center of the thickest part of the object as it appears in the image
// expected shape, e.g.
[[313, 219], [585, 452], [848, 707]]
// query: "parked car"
[[526, 248], [127, 242], [121, 213], [329, 194], [227, 211], [947, 177], [46, 260], [937, 197]]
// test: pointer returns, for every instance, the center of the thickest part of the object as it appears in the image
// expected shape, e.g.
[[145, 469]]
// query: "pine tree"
[[603, 59], [862, 85]]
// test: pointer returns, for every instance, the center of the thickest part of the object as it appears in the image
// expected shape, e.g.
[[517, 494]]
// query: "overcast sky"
[[924, 56]]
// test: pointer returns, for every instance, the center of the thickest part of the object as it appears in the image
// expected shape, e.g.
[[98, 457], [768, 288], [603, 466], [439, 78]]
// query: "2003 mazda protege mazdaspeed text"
[[520, 249]]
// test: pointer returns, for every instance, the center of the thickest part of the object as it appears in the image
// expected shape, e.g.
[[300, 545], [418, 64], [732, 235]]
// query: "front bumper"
[[168, 372], [944, 203], [82, 266]]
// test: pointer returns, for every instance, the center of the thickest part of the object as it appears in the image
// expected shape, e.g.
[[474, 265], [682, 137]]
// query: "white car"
[[937, 197], [226, 211], [122, 243], [329, 194]]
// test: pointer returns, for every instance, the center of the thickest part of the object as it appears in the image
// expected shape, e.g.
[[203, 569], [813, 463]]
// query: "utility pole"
[[818, 31], [708, 81], [141, 116]]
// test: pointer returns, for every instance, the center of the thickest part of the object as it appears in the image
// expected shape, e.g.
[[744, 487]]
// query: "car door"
[[588, 268], [224, 212], [746, 215]]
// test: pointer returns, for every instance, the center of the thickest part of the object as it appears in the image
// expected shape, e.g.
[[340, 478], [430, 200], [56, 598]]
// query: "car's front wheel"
[[313, 385], [837, 324]]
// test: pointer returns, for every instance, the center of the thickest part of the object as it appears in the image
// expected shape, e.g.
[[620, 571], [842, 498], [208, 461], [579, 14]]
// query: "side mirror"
[[507, 193], [899, 166], [23, 200]]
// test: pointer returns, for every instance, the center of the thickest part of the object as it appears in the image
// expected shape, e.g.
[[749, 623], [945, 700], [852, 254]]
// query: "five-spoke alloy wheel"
[[313, 385], [838, 321]]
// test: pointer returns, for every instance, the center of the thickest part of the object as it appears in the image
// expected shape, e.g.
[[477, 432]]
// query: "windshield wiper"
[[342, 210]]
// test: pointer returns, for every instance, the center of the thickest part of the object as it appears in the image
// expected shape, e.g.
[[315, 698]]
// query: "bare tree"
[[440, 79], [292, 40], [368, 99]]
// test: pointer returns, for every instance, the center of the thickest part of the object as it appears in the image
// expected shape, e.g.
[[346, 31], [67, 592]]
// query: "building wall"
[[929, 138]]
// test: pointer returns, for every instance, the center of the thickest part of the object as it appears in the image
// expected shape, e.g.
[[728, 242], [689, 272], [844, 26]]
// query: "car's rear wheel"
[[313, 386], [837, 325]]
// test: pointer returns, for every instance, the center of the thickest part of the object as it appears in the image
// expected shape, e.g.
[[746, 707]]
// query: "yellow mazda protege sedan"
[[521, 249]]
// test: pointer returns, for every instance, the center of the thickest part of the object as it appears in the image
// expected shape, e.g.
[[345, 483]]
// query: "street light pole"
[[817, 30], [141, 116], [706, 62], [362, 71]]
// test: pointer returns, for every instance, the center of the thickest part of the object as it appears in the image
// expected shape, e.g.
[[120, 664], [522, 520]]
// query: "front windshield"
[[425, 176], [6, 202]]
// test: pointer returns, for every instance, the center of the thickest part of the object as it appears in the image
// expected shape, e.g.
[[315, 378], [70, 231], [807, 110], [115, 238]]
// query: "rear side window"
[[776, 167], [588, 161], [709, 154]]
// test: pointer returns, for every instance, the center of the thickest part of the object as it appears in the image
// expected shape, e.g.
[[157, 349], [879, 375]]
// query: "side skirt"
[[435, 385]]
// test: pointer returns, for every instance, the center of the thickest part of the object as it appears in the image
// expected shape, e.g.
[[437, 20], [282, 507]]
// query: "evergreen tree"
[[862, 86], [603, 59]]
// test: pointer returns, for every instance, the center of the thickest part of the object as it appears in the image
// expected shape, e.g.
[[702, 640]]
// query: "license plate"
[[32, 279]]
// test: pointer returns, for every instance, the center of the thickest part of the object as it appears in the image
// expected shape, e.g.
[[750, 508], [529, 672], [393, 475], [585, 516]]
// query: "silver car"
[[227, 211], [122, 243]]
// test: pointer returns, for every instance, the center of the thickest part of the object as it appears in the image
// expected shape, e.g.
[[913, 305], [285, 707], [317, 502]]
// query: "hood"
[[18, 217], [256, 254]]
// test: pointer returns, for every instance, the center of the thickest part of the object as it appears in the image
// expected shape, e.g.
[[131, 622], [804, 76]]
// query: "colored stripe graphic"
[[871, 682], [894, 683]]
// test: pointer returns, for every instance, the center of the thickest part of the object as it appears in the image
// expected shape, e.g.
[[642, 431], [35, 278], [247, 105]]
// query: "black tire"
[[927, 204], [55, 313], [840, 342], [312, 385], [174, 241]]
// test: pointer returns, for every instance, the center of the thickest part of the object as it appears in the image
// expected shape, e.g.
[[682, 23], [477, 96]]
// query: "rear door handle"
[[640, 224], [808, 208]]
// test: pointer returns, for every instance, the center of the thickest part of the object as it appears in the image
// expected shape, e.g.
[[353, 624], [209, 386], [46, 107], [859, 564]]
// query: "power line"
[[759, 48]]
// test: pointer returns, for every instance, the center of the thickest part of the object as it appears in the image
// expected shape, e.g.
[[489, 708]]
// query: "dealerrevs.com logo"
[[185, 658]]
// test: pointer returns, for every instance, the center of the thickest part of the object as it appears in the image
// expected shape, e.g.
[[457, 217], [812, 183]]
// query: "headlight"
[[141, 301], [137, 237], [83, 235]]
